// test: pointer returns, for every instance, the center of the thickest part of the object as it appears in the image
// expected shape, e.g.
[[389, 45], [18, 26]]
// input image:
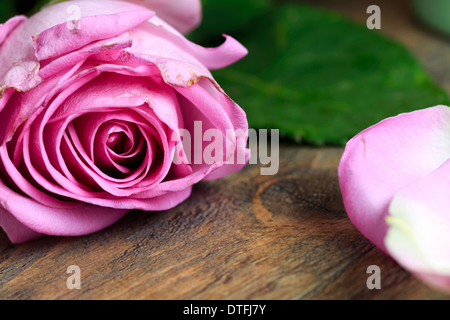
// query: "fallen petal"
[[387, 157]]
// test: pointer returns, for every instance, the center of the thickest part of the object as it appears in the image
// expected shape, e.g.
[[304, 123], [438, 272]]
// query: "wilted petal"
[[18, 49]]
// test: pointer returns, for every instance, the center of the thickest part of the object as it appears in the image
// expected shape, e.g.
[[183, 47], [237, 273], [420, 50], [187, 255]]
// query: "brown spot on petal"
[[75, 31], [109, 46], [193, 81], [363, 140]]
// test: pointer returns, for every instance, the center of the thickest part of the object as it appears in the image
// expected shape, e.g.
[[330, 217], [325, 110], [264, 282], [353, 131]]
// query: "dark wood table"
[[247, 236]]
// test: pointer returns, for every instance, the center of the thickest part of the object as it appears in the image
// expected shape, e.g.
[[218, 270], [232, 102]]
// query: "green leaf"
[[226, 17], [7, 10], [321, 79]]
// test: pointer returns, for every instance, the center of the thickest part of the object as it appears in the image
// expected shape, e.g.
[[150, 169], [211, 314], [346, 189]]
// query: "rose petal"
[[53, 66], [60, 39], [183, 15], [7, 27], [21, 71], [175, 44], [387, 157], [217, 111], [16, 231], [80, 220], [220, 57], [30, 103], [169, 186], [419, 228]]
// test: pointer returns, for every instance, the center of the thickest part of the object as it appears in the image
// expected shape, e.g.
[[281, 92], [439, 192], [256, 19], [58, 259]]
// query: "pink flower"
[[94, 95], [395, 182]]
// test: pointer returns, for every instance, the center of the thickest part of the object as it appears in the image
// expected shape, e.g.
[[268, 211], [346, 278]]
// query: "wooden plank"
[[243, 237]]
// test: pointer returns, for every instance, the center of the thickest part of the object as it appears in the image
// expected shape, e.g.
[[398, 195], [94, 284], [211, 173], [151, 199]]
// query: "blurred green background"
[[9, 8]]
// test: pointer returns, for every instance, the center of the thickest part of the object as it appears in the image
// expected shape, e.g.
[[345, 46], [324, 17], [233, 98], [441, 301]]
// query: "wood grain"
[[243, 237]]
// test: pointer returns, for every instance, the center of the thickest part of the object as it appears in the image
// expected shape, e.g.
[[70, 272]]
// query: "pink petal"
[[16, 231], [19, 65], [159, 43], [226, 54], [60, 39], [214, 109], [419, 228], [213, 58], [7, 27], [116, 90], [68, 61], [180, 184], [5, 30], [80, 220], [384, 158], [183, 15], [21, 107]]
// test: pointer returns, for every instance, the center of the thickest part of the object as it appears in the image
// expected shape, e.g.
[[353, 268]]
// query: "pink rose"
[[95, 98]]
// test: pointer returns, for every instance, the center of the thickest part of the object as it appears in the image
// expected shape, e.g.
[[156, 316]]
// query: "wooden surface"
[[243, 237]]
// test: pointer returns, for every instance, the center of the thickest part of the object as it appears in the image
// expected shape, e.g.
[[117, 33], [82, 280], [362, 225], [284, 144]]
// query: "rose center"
[[119, 142]]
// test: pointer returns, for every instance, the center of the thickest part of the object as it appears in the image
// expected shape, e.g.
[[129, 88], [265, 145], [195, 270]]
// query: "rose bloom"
[[93, 95]]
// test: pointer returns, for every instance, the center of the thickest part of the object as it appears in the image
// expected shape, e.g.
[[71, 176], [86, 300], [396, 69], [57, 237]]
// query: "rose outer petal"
[[387, 157], [60, 39], [16, 231], [419, 228], [224, 114], [8, 26], [183, 15], [6, 29], [180, 60], [21, 71], [70, 221]]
